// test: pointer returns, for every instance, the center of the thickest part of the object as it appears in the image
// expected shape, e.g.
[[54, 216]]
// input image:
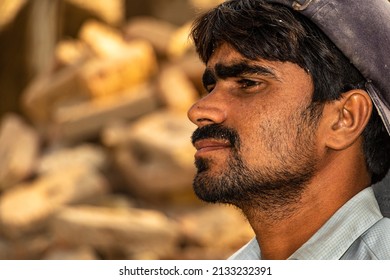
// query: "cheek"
[[269, 136], [257, 136]]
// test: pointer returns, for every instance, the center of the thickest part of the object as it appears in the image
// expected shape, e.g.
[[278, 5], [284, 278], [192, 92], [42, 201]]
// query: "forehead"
[[225, 54]]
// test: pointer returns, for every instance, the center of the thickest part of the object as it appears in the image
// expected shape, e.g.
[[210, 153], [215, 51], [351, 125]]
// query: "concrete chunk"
[[29, 247], [131, 231], [111, 11], [180, 42], [86, 119], [79, 253], [119, 67], [216, 226], [27, 207], [103, 77], [45, 93], [157, 32], [19, 148], [71, 52], [56, 160], [176, 90], [155, 154]]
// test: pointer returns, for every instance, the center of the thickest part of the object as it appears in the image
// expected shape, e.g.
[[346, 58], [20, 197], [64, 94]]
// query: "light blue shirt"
[[357, 231]]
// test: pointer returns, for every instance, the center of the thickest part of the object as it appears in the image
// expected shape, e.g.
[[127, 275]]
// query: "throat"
[[281, 226], [280, 232]]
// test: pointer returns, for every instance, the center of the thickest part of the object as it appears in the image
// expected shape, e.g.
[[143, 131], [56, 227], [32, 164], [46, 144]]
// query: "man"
[[288, 133]]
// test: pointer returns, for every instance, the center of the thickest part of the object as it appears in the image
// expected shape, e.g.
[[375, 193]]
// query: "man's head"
[[270, 73]]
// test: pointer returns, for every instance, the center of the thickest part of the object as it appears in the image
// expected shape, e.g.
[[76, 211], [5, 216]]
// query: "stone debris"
[[9, 10], [19, 148], [158, 32], [28, 206], [176, 90], [131, 231], [68, 253], [85, 120], [100, 166], [208, 232], [111, 12], [28, 247], [204, 224], [64, 158], [71, 52], [109, 79], [205, 4], [155, 154], [180, 43]]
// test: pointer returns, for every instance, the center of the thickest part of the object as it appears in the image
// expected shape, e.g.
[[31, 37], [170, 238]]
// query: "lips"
[[209, 145]]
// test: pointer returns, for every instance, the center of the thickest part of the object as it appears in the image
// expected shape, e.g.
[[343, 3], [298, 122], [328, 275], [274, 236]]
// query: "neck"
[[280, 235]]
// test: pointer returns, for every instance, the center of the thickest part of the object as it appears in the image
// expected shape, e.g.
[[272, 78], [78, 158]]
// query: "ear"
[[347, 117]]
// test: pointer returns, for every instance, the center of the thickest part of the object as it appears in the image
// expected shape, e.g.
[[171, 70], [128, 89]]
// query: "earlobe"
[[349, 117]]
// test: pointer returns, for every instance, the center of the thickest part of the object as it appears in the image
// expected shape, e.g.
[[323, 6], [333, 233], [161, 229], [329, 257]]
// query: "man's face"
[[256, 131]]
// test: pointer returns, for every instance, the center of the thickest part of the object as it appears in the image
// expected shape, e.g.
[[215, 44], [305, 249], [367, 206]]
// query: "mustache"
[[216, 131]]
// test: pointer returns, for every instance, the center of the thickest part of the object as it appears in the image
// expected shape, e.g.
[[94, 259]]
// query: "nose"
[[207, 110]]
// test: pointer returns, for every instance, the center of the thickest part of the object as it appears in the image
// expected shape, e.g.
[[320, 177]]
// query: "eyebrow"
[[242, 68], [235, 70]]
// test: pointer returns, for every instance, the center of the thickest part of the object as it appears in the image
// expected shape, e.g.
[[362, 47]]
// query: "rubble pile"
[[100, 166]]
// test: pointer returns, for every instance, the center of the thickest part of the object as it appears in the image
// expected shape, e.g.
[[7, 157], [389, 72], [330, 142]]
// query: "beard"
[[271, 187]]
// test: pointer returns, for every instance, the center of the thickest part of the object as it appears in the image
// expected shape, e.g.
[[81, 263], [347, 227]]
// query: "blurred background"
[[95, 153]]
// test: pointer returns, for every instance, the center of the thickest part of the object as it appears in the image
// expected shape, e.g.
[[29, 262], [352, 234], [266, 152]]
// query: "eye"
[[209, 88], [246, 83], [208, 80]]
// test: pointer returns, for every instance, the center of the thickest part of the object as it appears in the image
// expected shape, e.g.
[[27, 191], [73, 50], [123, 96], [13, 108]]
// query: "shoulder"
[[378, 238], [373, 244], [379, 233]]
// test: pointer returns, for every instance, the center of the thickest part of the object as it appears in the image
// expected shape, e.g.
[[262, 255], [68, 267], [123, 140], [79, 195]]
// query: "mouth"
[[210, 145]]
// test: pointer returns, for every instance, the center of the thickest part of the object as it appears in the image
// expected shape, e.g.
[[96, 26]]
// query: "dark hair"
[[259, 30]]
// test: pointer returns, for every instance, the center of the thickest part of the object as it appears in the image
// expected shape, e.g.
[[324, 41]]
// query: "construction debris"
[[100, 164]]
